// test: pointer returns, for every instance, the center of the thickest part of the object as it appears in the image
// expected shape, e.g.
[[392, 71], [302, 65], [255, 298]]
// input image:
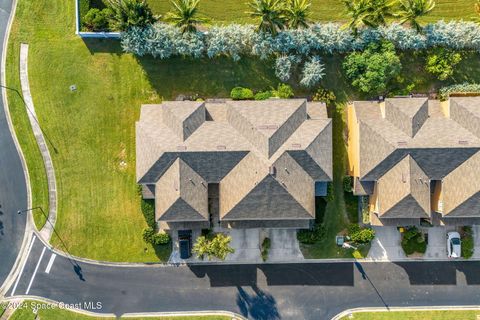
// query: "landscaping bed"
[[413, 241]]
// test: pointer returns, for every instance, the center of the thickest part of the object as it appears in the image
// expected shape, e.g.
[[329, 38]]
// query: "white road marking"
[[50, 262], [36, 269], [23, 266]]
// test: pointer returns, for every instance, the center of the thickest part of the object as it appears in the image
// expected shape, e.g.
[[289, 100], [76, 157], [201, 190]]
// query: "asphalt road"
[[268, 291], [13, 192]]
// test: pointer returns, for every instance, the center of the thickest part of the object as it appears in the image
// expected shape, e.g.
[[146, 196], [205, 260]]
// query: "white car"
[[454, 245]]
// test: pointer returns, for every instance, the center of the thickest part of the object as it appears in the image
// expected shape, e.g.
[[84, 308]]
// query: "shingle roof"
[[404, 191], [443, 142], [237, 144]]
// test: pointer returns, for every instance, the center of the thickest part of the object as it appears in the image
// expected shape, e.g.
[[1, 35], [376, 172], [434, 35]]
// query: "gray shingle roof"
[[237, 144]]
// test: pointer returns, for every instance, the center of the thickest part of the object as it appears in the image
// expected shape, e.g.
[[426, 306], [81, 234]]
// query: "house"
[[234, 164], [417, 159]]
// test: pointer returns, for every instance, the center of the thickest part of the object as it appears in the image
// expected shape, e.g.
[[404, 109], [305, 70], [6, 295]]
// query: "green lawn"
[[26, 313], [225, 11], [99, 214], [416, 315]]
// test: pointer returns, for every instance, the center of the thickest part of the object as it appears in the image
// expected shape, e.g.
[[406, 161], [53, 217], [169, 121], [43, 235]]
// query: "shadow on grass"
[[105, 45]]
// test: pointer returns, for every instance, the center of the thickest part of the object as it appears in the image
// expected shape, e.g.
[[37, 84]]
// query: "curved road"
[[13, 190]]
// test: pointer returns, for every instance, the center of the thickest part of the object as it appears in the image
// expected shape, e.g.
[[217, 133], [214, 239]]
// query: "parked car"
[[185, 243], [454, 245]]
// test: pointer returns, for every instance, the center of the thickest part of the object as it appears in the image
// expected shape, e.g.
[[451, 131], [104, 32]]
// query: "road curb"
[[224, 263], [26, 238], [348, 312], [233, 315]]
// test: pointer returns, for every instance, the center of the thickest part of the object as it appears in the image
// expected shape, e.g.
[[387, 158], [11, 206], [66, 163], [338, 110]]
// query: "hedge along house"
[[417, 159], [234, 164]]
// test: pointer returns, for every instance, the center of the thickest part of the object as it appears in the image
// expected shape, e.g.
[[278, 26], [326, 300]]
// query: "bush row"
[[163, 40], [467, 88], [283, 91]]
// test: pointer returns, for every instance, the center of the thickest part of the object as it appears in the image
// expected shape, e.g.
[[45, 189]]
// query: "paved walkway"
[[476, 241], [386, 245], [47, 229]]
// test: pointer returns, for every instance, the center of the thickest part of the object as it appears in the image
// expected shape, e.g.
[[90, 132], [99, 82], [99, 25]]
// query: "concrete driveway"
[[437, 244], [284, 245], [386, 245], [246, 243]]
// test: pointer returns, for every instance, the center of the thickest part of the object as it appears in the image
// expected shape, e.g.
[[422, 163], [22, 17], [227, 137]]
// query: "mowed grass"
[[53, 313], [417, 315], [225, 11], [92, 128]]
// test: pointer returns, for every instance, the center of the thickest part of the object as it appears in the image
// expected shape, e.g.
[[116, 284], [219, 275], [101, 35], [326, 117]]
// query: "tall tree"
[[185, 15], [297, 13], [130, 13], [411, 10], [270, 13], [372, 13]]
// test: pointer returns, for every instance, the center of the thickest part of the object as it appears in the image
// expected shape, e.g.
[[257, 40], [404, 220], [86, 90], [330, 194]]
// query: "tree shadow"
[[470, 270], [207, 78], [259, 305], [227, 275], [430, 273], [309, 274]]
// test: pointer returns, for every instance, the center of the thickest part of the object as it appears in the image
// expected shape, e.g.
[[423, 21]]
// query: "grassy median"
[[416, 315]]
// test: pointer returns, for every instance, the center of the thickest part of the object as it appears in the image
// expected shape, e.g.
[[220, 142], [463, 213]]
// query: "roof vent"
[[272, 170], [296, 145], [181, 148], [404, 178], [402, 143], [221, 147], [463, 142]]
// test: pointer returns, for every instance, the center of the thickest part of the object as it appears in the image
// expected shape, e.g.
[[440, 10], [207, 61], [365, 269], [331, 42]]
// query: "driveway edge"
[[26, 238], [347, 312], [233, 315]]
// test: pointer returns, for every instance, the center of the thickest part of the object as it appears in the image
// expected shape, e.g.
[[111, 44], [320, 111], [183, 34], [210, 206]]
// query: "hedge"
[[465, 88], [163, 40]]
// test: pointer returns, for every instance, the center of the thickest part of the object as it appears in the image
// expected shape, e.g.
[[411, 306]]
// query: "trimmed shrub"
[[283, 91], [240, 93], [97, 20], [360, 235], [440, 63], [324, 95], [313, 72], [467, 242], [472, 88], [83, 7], [148, 234], [148, 210], [310, 236], [130, 13], [160, 238], [413, 241], [263, 95], [265, 248]]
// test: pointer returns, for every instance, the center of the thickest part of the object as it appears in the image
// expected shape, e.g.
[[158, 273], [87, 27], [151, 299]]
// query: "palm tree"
[[372, 13], [411, 10], [297, 13], [185, 15], [377, 12], [355, 10], [130, 13], [270, 13]]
